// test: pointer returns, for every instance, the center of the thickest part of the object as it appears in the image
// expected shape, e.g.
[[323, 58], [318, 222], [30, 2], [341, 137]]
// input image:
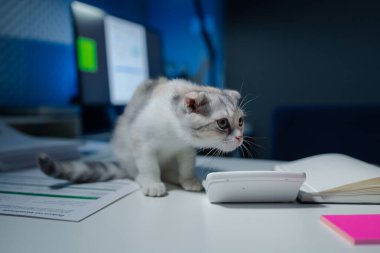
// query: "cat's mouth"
[[230, 145]]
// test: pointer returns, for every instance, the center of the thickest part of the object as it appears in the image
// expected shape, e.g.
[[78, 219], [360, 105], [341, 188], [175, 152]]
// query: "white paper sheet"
[[31, 193]]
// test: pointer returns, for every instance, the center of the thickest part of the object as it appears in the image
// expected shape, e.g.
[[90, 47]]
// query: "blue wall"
[[36, 73], [37, 55], [183, 46]]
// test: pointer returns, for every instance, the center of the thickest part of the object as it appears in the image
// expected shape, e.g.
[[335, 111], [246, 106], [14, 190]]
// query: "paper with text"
[[31, 193]]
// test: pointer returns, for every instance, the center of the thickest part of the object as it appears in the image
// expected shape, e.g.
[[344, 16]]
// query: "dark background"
[[302, 52], [278, 53]]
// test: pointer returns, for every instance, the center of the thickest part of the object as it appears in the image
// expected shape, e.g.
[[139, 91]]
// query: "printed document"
[[33, 194]]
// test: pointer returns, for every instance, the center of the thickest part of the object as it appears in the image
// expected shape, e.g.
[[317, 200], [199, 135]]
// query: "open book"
[[336, 178]]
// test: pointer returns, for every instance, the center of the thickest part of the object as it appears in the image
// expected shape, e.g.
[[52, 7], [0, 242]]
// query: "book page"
[[328, 171], [367, 186]]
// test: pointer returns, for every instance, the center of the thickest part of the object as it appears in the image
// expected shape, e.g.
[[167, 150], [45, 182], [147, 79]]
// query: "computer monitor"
[[127, 60], [114, 56]]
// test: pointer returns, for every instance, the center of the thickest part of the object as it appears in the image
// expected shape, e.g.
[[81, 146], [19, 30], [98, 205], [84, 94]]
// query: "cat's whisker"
[[206, 167], [242, 100], [251, 140], [242, 85], [254, 137], [242, 150], [212, 152], [221, 153], [247, 102], [247, 112], [200, 150], [255, 144], [247, 150]]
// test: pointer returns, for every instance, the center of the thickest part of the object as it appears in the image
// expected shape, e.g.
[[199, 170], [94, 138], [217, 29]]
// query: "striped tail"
[[80, 171]]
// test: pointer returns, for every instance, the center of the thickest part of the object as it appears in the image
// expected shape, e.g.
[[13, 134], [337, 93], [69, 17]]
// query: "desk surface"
[[187, 222]]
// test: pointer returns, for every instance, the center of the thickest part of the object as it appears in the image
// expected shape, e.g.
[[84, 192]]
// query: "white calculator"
[[253, 186]]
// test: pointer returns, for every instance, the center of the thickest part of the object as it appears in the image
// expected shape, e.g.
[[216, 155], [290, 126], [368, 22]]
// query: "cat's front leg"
[[149, 176], [186, 170]]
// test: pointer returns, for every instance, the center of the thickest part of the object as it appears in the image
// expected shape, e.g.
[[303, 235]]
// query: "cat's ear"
[[233, 93], [196, 102]]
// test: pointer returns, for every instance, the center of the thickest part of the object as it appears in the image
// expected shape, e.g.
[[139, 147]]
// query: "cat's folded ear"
[[196, 102], [232, 93]]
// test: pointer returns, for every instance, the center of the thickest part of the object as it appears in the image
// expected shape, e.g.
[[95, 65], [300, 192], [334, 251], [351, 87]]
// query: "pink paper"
[[358, 228]]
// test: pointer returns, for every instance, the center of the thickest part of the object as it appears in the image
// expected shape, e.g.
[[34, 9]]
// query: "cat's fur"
[[156, 136]]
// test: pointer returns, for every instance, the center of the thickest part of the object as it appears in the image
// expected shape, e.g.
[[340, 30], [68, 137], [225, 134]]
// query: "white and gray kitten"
[[156, 136]]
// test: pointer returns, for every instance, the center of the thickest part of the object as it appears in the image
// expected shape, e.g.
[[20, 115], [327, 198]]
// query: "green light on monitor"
[[87, 56]]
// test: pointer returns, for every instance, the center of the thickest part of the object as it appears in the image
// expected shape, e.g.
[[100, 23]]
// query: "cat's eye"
[[223, 123], [241, 121]]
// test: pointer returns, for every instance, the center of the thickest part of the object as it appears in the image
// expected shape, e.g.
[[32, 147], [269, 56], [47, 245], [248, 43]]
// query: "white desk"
[[186, 222]]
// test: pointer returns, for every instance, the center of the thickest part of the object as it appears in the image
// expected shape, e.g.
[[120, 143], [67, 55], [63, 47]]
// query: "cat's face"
[[215, 119]]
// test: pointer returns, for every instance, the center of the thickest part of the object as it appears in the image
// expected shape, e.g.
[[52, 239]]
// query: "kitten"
[[156, 136]]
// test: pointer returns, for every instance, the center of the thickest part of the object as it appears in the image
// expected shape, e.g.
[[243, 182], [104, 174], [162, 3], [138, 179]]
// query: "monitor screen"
[[127, 60], [112, 56]]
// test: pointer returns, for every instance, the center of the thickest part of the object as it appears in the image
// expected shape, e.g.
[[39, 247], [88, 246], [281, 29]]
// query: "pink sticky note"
[[358, 228]]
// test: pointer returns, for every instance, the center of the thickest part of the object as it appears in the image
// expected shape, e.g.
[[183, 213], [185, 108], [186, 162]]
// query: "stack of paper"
[[18, 150]]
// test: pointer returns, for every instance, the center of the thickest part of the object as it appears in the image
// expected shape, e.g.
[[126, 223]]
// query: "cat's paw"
[[191, 185], [157, 189]]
